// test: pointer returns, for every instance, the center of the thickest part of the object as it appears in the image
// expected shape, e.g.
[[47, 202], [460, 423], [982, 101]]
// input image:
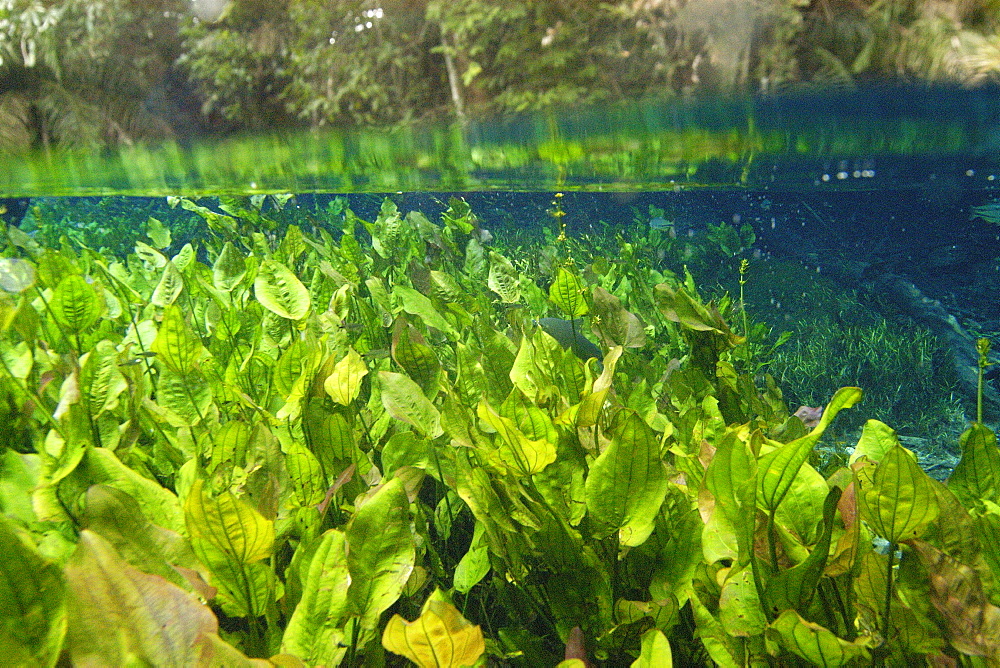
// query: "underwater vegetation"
[[360, 443]]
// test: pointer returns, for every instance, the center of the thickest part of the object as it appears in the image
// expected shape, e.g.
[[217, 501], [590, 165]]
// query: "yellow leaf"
[[439, 638], [344, 383]]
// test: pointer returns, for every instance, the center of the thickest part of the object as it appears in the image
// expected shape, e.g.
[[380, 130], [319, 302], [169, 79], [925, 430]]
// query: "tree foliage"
[[115, 71]]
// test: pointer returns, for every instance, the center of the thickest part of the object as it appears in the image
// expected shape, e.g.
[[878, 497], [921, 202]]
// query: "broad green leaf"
[[75, 305], [777, 470], [976, 478], [152, 257], [18, 479], [496, 361], [230, 445], [898, 501], [731, 478], [681, 553], [739, 606], [169, 288], [404, 400], [231, 537], [406, 448], [503, 279], [18, 360], [32, 606], [175, 344], [627, 483], [280, 291], [533, 371], [101, 466], [158, 233], [299, 357], [876, 439], [411, 352], [795, 587], [475, 259], [439, 638], [184, 397], [229, 268], [613, 323], [120, 520], [566, 292], [315, 632], [16, 275], [987, 528], [680, 307], [444, 287], [517, 452], [655, 652], [721, 647], [529, 418], [306, 473], [815, 643], [120, 616], [380, 552], [216, 221], [474, 564], [416, 304], [226, 525], [344, 383], [100, 378]]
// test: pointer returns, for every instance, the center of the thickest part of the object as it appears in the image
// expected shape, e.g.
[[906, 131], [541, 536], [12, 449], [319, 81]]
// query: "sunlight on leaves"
[[344, 384], [439, 638]]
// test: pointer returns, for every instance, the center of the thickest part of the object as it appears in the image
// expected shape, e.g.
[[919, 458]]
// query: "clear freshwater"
[[867, 215]]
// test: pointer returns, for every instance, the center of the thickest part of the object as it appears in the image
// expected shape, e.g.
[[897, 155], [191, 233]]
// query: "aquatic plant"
[[287, 446]]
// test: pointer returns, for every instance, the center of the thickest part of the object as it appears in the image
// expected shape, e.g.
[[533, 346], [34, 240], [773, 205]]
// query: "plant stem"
[[886, 628]]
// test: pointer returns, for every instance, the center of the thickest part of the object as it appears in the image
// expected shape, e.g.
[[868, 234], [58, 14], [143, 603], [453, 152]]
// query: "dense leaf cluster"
[[265, 446]]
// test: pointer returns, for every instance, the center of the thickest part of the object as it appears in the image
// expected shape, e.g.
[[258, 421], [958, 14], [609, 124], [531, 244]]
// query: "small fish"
[[661, 223], [569, 334], [990, 212], [139, 357]]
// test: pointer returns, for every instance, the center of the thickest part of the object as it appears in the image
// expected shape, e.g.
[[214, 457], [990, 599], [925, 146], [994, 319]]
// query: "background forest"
[[85, 72]]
